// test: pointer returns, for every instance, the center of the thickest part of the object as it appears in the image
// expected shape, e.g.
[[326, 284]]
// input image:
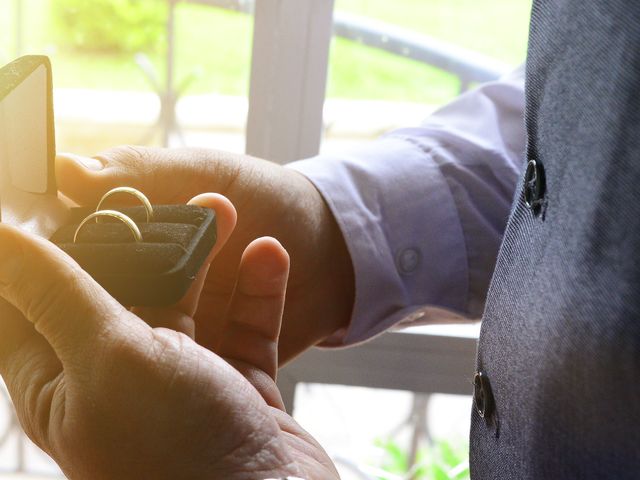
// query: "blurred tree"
[[109, 26]]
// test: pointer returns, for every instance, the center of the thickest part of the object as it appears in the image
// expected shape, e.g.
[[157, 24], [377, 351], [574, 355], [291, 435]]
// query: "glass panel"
[[113, 77], [374, 433], [372, 90]]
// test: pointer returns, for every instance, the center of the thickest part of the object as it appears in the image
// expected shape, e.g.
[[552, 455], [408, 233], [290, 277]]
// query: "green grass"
[[442, 460], [495, 28], [217, 44]]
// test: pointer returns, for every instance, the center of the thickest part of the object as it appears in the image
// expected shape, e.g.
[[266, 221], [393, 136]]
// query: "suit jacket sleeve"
[[423, 209]]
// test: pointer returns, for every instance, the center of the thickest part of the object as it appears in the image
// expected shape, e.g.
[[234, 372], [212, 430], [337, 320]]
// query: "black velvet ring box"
[[156, 271]]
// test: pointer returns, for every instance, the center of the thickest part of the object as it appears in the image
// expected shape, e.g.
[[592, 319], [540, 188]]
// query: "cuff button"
[[408, 261]]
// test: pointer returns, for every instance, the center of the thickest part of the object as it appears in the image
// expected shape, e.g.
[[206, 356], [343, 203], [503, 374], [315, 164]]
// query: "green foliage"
[[395, 459], [495, 28], [441, 461], [109, 26], [218, 43]]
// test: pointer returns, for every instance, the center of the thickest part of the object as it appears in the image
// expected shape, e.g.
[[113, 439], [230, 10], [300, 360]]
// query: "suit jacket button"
[[482, 395], [534, 185]]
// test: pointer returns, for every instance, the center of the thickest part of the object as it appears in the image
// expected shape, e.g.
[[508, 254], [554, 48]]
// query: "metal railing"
[[468, 66]]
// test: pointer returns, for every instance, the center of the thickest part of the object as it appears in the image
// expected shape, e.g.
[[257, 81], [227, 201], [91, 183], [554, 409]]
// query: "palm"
[[88, 426], [85, 429], [271, 201], [109, 396]]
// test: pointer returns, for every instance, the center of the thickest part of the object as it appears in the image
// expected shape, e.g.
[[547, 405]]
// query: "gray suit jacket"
[[557, 393]]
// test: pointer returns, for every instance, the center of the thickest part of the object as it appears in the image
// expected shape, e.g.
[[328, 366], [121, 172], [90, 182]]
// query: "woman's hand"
[[271, 201], [110, 397]]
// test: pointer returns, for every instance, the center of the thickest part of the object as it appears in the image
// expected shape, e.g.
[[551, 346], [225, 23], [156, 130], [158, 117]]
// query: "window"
[[394, 62], [145, 72], [168, 72]]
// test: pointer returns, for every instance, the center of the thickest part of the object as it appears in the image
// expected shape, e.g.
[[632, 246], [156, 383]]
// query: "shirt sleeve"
[[423, 209]]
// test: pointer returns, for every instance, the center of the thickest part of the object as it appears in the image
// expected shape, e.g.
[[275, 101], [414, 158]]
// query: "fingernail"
[[87, 162], [11, 256]]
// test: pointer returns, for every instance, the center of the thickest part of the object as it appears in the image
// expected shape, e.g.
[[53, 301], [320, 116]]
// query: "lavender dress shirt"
[[423, 209]]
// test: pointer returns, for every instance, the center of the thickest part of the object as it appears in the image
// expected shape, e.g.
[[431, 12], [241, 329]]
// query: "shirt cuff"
[[400, 223]]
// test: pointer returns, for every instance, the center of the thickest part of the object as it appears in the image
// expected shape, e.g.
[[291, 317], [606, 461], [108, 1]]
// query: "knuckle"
[[126, 154], [40, 308], [138, 165], [129, 162], [140, 156], [167, 343]]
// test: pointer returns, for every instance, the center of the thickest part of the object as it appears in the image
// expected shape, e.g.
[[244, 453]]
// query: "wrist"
[[324, 276]]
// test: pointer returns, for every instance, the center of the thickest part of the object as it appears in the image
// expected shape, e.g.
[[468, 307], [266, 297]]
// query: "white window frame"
[[291, 43]]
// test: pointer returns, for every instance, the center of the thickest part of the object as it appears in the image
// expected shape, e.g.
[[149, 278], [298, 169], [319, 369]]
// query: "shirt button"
[[408, 260], [482, 395], [534, 185]]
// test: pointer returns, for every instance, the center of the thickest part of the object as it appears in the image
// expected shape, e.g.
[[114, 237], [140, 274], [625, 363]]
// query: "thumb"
[[255, 313], [180, 316], [66, 306]]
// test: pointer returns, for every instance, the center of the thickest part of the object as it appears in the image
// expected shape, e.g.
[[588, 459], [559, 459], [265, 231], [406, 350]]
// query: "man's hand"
[[271, 201], [110, 397]]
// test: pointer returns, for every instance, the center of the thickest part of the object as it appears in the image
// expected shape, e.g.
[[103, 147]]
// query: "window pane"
[[110, 63], [365, 81], [372, 432]]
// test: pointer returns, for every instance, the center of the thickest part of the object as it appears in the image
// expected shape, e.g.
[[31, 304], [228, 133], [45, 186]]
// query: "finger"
[[63, 302], [255, 313], [30, 369], [86, 179], [180, 316], [168, 176], [226, 219]]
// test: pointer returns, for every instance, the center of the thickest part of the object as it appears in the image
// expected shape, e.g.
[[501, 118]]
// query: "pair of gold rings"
[[135, 231]]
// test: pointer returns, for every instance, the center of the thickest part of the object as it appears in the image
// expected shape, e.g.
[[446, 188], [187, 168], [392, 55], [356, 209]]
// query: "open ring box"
[[157, 271]]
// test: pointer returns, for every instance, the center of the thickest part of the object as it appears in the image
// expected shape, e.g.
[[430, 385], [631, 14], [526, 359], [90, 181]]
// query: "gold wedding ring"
[[113, 214], [130, 191]]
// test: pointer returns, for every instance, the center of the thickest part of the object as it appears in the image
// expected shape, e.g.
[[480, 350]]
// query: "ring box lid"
[[28, 190]]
